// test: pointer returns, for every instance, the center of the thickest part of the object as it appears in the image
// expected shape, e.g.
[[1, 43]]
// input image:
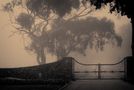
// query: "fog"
[[13, 53]]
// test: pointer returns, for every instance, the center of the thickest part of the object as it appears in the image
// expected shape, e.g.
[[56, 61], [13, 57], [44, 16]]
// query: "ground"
[[99, 85]]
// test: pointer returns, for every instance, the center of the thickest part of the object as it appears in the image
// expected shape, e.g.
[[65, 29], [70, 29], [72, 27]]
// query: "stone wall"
[[60, 70]]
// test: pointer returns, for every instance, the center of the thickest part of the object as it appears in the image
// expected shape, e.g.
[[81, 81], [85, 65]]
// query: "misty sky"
[[13, 54]]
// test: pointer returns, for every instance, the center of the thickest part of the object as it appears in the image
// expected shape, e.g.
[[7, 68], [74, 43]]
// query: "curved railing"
[[99, 68], [97, 64]]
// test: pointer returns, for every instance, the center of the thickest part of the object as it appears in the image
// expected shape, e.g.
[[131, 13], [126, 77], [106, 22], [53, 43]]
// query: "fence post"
[[72, 67], [99, 71]]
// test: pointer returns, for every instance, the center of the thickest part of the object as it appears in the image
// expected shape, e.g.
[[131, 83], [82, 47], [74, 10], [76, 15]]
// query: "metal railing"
[[99, 70]]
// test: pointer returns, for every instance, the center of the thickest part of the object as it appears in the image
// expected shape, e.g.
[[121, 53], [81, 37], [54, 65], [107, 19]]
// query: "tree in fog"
[[124, 7], [56, 26], [78, 35]]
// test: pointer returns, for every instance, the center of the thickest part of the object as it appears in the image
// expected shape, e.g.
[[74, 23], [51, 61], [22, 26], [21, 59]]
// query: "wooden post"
[[73, 76], [99, 71]]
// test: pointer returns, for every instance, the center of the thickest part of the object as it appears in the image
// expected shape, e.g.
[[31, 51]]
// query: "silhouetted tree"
[[27, 23], [77, 35], [124, 7], [68, 32]]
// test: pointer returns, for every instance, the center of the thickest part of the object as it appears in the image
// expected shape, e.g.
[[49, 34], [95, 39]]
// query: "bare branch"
[[85, 13], [77, 15], [43, 29], [12, 34]]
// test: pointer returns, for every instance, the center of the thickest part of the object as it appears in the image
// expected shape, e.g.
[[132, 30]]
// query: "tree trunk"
[[132, 45], [41, 58]]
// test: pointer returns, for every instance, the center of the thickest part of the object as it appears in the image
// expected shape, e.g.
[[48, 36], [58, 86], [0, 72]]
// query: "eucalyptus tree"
[[56, 26]]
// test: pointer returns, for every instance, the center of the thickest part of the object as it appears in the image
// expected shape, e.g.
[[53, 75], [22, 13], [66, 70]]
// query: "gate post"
[[72, 67], [99, 71]]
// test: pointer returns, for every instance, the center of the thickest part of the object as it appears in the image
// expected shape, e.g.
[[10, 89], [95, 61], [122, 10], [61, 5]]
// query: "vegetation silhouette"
[[53, 28], [124, 7], [77, 35]]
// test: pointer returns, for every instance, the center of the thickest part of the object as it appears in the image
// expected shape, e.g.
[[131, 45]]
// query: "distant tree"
[[29, 24], [124, 7], [67, 31], [78, 35]]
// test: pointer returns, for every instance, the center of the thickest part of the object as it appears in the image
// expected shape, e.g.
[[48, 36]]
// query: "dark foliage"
[[60, 7], [77, 35]]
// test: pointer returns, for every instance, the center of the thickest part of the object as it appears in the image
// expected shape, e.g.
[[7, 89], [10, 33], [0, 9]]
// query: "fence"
[[99, 71]]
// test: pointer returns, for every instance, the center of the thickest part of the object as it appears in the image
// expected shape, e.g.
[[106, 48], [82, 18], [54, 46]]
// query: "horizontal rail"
[[100, 72], [98, 64]]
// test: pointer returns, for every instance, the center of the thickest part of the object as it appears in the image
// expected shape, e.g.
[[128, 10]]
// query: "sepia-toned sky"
[[13, 54]]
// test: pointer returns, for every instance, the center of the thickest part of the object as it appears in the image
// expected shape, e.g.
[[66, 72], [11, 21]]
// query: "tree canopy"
[[55, 26], [61, 7]]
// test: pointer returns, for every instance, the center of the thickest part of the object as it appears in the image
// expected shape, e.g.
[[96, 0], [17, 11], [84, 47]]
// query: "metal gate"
[[98, 71]]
